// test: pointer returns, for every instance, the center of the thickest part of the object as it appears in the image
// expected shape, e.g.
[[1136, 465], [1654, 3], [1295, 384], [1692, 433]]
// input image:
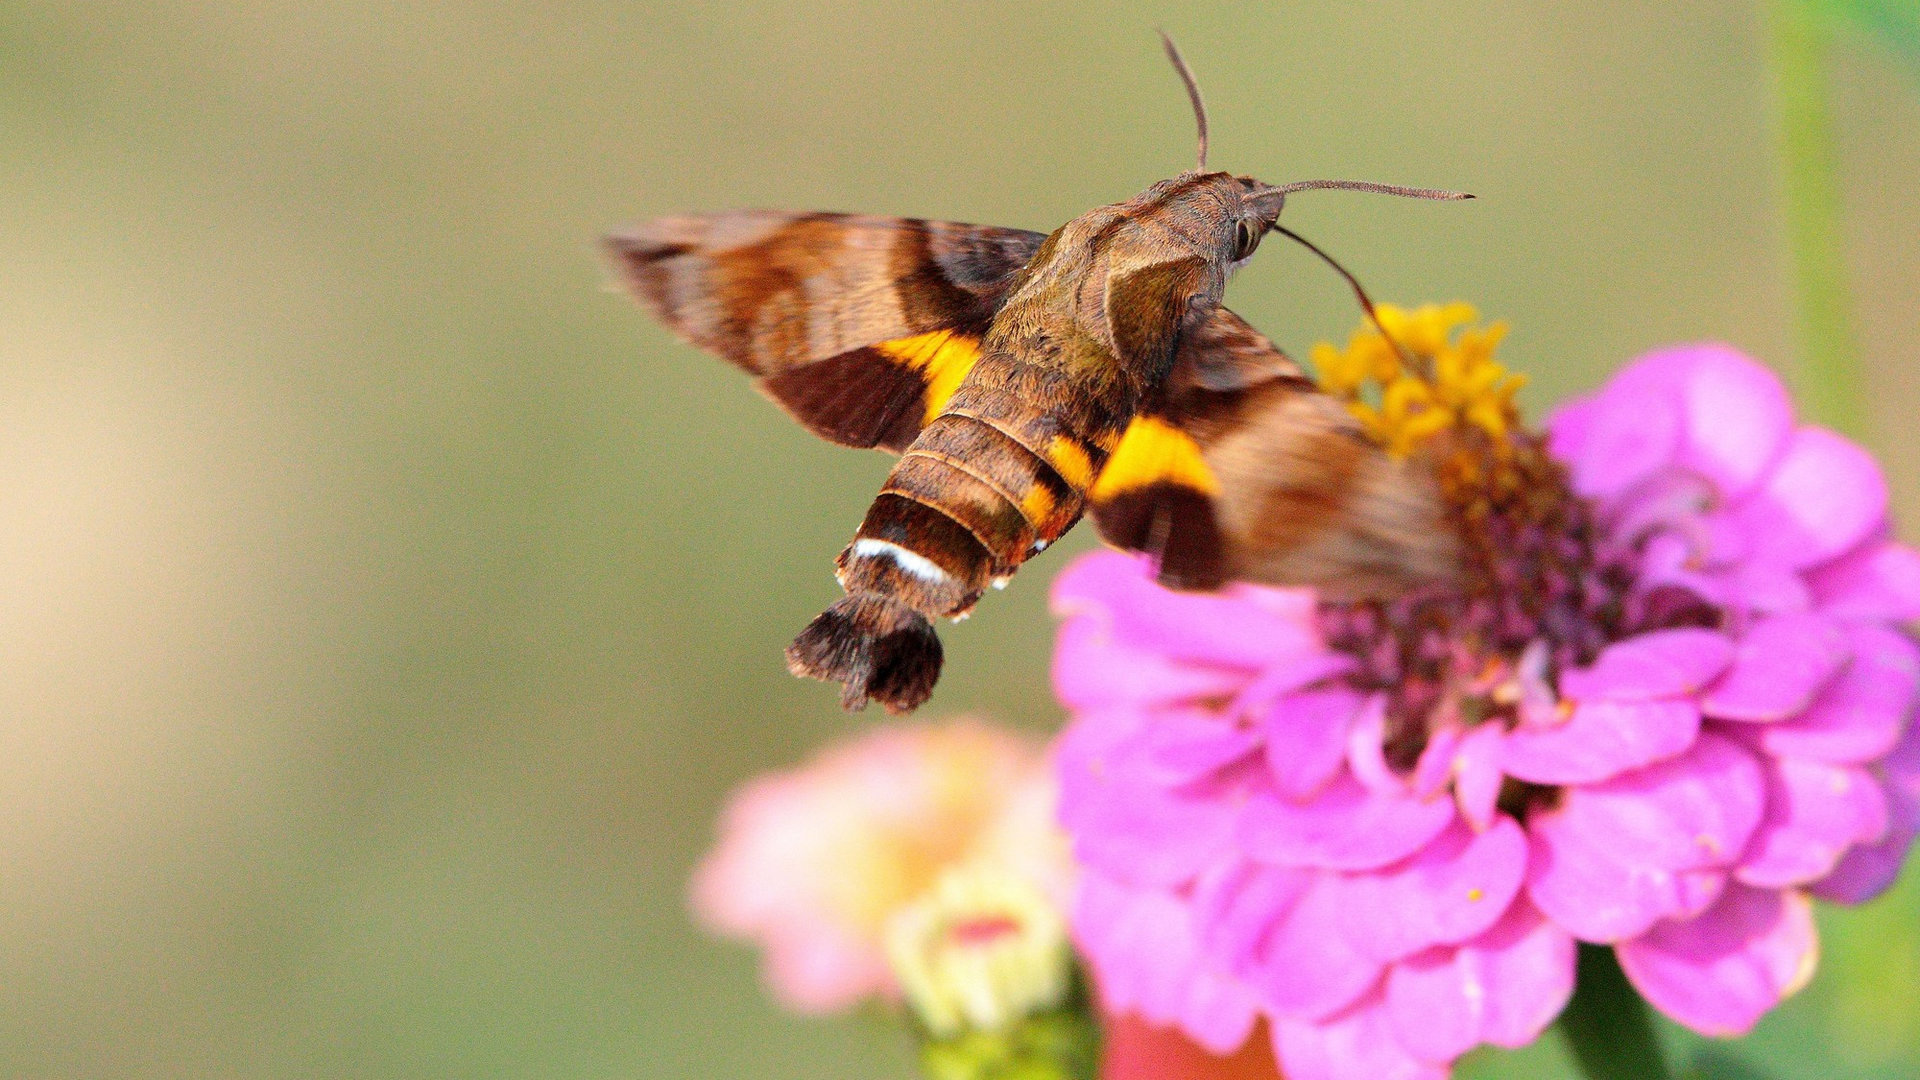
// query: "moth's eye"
[[1246, 237]]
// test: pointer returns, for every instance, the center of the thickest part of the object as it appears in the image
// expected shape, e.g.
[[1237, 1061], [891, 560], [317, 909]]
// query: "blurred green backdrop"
[[385, 606]]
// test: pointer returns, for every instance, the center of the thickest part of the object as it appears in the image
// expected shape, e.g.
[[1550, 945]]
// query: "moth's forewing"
[[859, 327]]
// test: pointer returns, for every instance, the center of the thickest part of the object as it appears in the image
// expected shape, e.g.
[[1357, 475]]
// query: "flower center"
[[1542, 588]]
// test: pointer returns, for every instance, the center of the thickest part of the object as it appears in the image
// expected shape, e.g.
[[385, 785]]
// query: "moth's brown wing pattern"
[[1156, 493], [1224, 353], [1246, 471], [1307, 499], [858, 326]]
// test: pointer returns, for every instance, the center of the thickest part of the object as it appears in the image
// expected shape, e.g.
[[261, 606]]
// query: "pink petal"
[[1737, 413], [1504, 987], [1823, 496], [1569, 425], [1356, 1045], [1866, 872], [815, 970], [1601, 739], [1367, 750], [1720, 972], [1218, 1012], [1186, 745], [1599, 896], [1242, 627], [1879, 579], [1696, 810], [1143, 951], [1347, 827], [1123, 819], [1613, 858], [1859, 715], [1613, 440], [1285, 676], [1092, 669], [1477, 775], [1760, 586], [1452, 889], [1781, 663], [1901, 769], [1306, 735], [1434, 770], [1665, 663], [1305, 969], [1236, 902], [1140, 943], [1529, 967], [1703, 408], [1815, 812]]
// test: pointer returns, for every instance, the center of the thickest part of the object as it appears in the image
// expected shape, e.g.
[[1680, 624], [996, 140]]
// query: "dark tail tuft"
[[876, 647]]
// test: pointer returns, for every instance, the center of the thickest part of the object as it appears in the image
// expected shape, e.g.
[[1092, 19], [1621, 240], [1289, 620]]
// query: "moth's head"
[[1213, 216], [1260, 204], [1229, 214]]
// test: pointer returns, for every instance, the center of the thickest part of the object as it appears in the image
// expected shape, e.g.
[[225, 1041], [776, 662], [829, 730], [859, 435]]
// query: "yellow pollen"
[[1563, 711], [1476, 895], [1454, 382]]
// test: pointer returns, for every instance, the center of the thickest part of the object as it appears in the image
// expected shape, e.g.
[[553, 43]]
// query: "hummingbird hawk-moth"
[[1025, 380]]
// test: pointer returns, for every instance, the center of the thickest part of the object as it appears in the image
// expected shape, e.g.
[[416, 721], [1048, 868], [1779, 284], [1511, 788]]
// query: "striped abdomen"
[[988, 482]]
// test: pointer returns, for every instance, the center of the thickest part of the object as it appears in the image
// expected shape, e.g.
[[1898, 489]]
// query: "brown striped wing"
[[860, 327], [1244, 470]]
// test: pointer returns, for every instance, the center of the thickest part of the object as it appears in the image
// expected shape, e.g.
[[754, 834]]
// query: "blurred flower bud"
[[814, 860], [984, 964], [980, 951]]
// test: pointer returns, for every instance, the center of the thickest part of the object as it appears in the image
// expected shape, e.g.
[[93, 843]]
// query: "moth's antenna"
[[1366, 302], [1193, 93], [1366, 185]]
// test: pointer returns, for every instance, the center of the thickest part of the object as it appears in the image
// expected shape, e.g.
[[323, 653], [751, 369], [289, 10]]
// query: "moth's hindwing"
[[1245, 470], [860, 327], [1156, 494]]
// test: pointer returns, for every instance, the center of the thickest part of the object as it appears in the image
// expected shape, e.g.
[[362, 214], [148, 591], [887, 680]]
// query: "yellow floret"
[[1437, 373]]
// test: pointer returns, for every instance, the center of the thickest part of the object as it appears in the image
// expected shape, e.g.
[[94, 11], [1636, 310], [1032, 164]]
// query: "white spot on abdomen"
[[912, 562]]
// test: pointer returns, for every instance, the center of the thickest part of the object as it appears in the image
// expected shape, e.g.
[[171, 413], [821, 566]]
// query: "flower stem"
[[1830, 366], [1607, 1025]]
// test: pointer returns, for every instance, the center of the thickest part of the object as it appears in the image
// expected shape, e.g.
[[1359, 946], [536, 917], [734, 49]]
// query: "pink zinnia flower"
[[812, 862], [1672, 707]]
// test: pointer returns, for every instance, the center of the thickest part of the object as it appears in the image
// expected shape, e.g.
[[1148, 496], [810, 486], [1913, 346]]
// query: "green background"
[[386, 606]]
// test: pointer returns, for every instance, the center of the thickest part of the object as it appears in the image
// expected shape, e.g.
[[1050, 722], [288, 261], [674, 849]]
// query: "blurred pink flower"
[[1384, 827], [811, 862]]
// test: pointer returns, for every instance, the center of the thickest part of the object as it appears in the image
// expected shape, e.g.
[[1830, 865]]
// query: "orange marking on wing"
[[941, 356], [1151, 452]]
